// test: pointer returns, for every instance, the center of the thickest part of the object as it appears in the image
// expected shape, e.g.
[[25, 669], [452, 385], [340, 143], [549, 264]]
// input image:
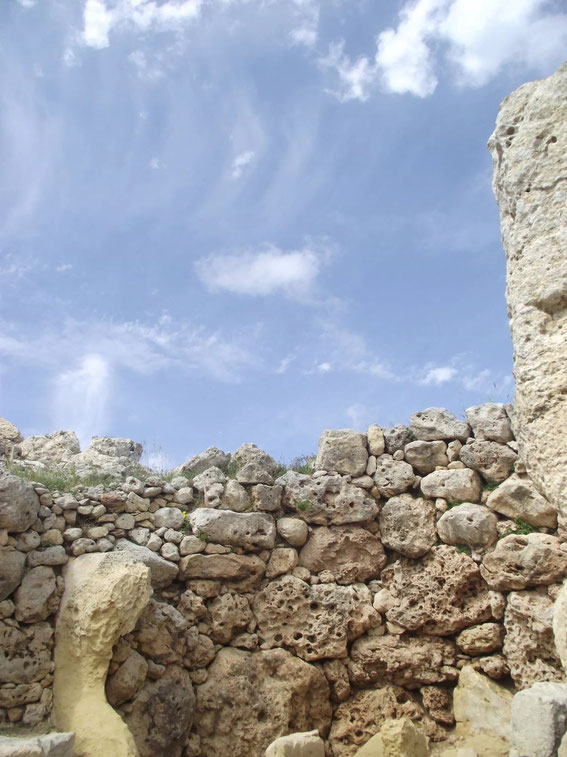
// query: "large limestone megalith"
[[104, 597], [529, 152]]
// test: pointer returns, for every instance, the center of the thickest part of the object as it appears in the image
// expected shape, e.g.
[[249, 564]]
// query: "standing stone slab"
[[19, 504]]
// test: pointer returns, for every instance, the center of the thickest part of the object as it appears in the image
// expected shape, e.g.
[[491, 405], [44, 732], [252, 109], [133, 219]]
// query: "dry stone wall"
[[286, 601]]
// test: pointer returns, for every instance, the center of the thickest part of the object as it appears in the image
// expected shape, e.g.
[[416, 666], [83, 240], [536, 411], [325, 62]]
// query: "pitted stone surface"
[[426, 456], [350, 552], [19, 504], [493, 461], [250, 530], [520, 561], [327, 500], [517, 497], [490, 421], [315, 621], [437, 423], [392, 477], [462, 485], [407, 525], [343, 451], [441, 594], [474, 525]]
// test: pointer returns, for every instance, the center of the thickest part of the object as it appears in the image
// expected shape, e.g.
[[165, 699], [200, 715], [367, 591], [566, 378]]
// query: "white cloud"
[[306, 31], [81, 397], [268, 271], [15, 267], [69, 57], [98, 21], [473, 39], [240, 163], [155, 164], [64, 267], [438, 375], [27, 3], [324, 367]]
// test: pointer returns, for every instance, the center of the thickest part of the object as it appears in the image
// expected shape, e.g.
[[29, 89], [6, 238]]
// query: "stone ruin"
[[405, 597]]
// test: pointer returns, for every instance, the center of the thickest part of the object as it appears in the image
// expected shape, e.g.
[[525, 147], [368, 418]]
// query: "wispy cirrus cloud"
[[240, 162]]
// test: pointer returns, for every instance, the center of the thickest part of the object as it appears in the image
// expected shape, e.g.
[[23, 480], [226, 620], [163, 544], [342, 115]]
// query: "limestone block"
[[482, 639], [407, 525], [282, 560], [392, 476], [168, 517], [103, 598], [470, 524], [48, 556], [248, 530], [517, 497], [519, 561], [453, 485], [162, 572], [271, 693], [229, 613], [308, 744], [48, 745], [529, 646], [266, 498], [294, 531], [50, 449], [438, 423], [343, 451], [397, 738], [490, 421], [350, 552], [242, 572], [529, 151], [326, 500], [316, 621], [253, 465], [36, 598], [376, 442], [559, 623], [439, 595], [161, 633], [12, 565], [482, 712], [396, 438], [426, 456], [128, 679], [235, 497], [539, 720], [19, 504], [492, 460], [25, 652], [211, 457], [409, 661], [9, 436]]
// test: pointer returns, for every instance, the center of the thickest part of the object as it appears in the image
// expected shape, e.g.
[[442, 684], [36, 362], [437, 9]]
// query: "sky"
[[228, 221]]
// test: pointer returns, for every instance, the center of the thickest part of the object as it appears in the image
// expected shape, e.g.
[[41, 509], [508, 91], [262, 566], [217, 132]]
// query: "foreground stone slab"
[[162, 572], [19, 504], [308, 744], [539, 720], [50, 745], [103, 598], [397, 738], [529, 149]]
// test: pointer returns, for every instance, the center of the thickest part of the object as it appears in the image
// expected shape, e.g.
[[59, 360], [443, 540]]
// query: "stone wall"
[[291, 601]]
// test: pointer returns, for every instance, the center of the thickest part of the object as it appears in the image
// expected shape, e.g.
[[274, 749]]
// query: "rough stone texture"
[[517, 497], [426, 456], [9, 436], [211, 457], [539, 720], [490, 421], [529, 645], [392, 477], [397, 738], [438, 701], [235, 497], [161, 715], [282, 560], [470, 524], [36, 598], [50, 449], [520, 561], [19, 504], [356, 721], [529, 153], [343, 451], [482, 639], [409, 661], [559, 623], [168, 517], [375, 439], [104, 596], [128, 679], [272, 693], [482, 711], [12, 565], [230, 613], [315, 621], [162, 571], [461, 485], [249, 530], [49, 745], [492, 460], [308, 744], [25, 652], [396, 438], [350, 552], [441, 594], [294, 531], [327, 500], [438, 423], [240, 571], [407, 525], [253, 465]]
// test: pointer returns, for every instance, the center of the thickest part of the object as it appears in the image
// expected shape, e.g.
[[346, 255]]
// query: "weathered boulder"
[[461, 485], [316, 621], [528, 151], [492, 460], [519, 561], [539, 720], [426, 456], [343, 451], [392, 477], [253, 465], [161, 715], [241, 572], [474, 525], [407, 525], [560, 625], [282, 560], [48, 745], [104, 596], [248, 530], [19, 504], [294, 531], [9, 437], [396, 438], [168, 517], [37, 597], [12, 566], [161, 633], [271, 693], [529, 645], [482, 639], [308, 744], [266, 498], [50, 449], [125, 683], [397, 738], [437, 423], [375, 439], [235, 497], [326, 500], [409, 661], [229, 613], [25, 652], [162, 571], [490, 421], [439, 595], [351, 553], [211, 457], [517, 497]]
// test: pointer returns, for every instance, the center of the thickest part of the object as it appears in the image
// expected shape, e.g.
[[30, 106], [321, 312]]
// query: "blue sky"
[[250, 220]]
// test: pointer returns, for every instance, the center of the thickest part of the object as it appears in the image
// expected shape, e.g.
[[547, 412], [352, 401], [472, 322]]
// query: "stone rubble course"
[[407, 525], [461, 485], [19, 504], [350, 552], [249, 530], [490, 421], [517, 562], [343, 451], [436, 423], [517, 497]]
